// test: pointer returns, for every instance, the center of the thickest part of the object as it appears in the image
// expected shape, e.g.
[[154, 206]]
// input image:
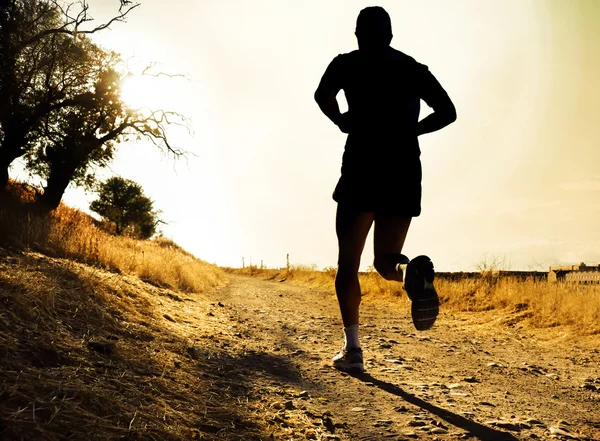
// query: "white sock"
[[351, 337]]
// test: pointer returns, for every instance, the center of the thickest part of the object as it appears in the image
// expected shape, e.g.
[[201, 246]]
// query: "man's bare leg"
[[352, 228], [390, 234]]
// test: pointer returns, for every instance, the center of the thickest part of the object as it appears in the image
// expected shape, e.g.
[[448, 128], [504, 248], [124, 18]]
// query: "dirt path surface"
[[459, 380]]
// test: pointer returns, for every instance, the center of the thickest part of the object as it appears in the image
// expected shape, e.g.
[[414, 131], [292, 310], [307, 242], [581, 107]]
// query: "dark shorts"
[[390, 187]]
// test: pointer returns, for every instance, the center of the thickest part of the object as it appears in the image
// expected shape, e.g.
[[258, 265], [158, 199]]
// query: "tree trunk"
[[5, 160], [11, 148], [55, 188]]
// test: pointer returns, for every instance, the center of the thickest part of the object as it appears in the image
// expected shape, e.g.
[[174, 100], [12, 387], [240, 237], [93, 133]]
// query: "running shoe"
[[418, 283], [349, 360]]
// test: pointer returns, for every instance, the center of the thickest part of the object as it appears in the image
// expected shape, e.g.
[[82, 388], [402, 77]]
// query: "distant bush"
[[122, 203]]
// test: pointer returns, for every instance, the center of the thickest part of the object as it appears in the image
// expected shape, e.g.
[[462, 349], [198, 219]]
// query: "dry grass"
[[69, 233], [533, 303], [88, 354]]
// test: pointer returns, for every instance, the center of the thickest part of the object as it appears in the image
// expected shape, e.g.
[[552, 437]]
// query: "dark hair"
[[374, 22]]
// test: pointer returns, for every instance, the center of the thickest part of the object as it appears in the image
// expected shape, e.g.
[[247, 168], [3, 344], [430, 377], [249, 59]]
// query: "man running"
[[381, 170]]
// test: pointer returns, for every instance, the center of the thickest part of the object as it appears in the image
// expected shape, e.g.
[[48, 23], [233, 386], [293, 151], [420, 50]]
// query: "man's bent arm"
[[440, 118], [329, 105], [435, 96]]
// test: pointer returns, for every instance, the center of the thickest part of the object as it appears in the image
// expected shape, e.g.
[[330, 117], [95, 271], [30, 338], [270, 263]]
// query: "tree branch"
[[82, 17]]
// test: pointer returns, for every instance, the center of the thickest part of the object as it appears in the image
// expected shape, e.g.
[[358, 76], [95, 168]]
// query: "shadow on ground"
[[84, 355], [473, 428]]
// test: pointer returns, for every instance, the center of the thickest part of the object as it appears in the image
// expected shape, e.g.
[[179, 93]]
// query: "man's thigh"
[[390, 233], [352, 228]]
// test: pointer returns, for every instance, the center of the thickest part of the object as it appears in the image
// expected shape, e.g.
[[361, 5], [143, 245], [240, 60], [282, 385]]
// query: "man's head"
[[373, 28]]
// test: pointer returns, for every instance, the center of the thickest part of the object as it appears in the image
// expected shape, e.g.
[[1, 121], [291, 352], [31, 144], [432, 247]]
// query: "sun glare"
[[140, 92], [153, 92]]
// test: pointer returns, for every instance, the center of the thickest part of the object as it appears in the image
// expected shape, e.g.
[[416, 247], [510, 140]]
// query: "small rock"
[[535, 422], [393, 360], [486, 403], [385, 346], [417, 423], [504, 425], [328, 423], [557, 431], [303, 394], [438, 431], [471, 380], [277, 405], [455, 386], [358, 409], [494, 365], [297, 352], [289, 405], [220, 304]]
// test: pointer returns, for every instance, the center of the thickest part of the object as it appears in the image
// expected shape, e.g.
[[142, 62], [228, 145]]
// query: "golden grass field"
[[66, 285], [72, 234], [534, 303]]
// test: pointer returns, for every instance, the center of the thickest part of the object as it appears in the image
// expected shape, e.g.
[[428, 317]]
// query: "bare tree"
[[30, 48], [75, 140]]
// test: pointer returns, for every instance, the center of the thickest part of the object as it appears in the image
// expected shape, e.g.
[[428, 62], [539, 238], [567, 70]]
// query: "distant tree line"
[[60, 104]]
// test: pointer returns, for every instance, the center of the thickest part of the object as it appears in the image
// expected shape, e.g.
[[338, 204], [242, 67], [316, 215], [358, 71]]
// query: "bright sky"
[[517, 177]]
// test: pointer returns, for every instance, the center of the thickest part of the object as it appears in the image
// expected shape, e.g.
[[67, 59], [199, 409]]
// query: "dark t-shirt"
[[381, 157], [383, 92]]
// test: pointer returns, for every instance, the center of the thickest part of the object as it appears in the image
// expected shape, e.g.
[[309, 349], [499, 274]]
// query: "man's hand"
[[326, 99], [344, 123]]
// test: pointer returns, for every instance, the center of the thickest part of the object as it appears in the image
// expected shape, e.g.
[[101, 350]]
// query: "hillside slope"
[[88, 354]]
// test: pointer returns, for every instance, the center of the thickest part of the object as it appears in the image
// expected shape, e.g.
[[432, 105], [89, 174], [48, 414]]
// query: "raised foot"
[[419, 287]]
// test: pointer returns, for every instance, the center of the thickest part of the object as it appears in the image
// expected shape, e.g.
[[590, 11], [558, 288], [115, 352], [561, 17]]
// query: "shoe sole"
[[425, 308], [352, 368], [425, 301]]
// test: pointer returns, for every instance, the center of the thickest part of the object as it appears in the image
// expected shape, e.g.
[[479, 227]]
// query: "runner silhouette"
[[380, 181]]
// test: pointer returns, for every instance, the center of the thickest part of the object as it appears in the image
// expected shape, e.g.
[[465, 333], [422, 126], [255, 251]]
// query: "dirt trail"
[[460, 380]]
